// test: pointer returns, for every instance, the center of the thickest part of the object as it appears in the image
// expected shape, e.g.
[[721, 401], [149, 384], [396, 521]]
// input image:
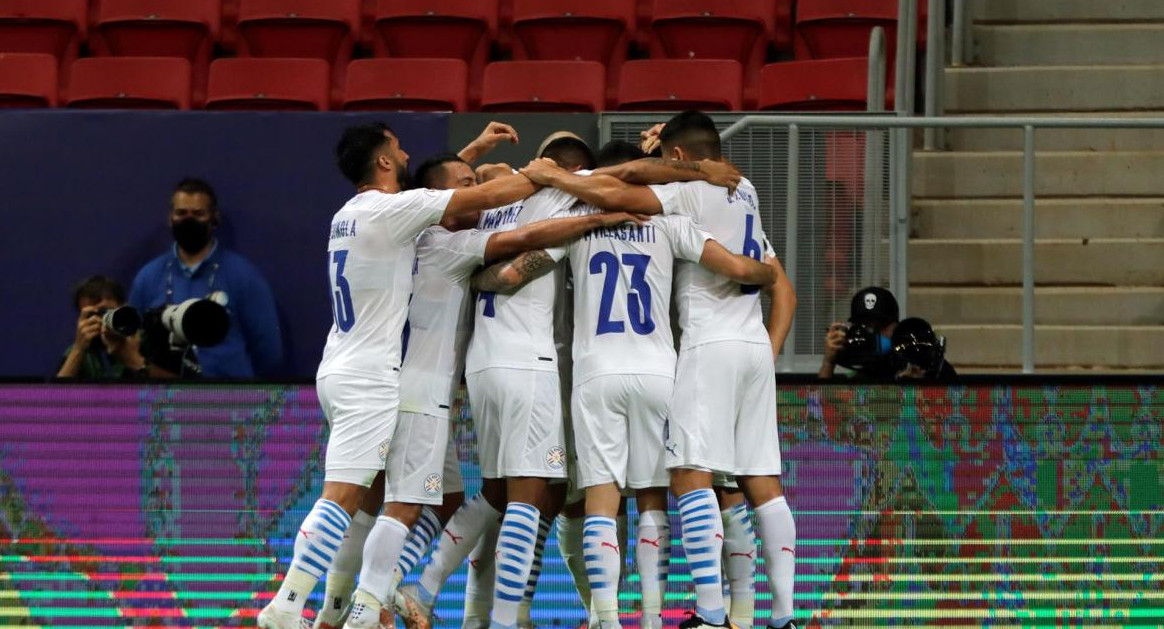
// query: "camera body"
[[864, 347]]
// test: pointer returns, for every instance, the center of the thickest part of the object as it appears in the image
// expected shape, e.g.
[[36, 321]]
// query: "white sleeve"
[[410, 213], [687, 240], [456, 254], [678, 198], [545, 204]]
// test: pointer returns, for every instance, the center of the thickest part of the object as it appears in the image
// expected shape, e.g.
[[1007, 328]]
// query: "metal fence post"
[[961, 33], [1028, 249], [935, 73], [790, 237]]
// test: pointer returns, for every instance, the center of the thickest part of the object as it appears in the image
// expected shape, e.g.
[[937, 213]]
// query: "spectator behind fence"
[[196, 267], [97, 351]]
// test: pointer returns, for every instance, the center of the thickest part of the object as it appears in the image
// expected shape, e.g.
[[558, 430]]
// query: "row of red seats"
[[592, 30], [29, 80]]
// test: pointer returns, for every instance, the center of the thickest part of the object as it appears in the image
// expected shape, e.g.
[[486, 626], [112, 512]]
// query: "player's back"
[[439, 315], [371, 250], [622, 296], [712, 307]]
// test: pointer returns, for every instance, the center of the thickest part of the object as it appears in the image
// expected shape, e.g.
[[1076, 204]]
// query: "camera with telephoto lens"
[[122, 321], [863, 347]]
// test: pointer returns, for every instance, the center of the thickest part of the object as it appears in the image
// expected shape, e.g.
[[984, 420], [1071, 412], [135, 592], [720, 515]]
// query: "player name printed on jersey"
[[370, 255], [622, 295], [438, 318], [712, 307]]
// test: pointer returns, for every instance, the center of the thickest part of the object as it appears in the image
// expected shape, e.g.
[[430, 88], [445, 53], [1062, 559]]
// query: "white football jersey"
[[438, 318], [622, 295], [516, 331], [370, 253], [712, 307]]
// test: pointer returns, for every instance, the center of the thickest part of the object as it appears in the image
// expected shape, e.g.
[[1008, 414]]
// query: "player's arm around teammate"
[[783, 296]]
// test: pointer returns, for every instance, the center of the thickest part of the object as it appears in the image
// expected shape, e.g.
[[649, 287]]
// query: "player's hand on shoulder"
[[542, 171], [489, 172], [722, 174], [649, 139], [610, 219]]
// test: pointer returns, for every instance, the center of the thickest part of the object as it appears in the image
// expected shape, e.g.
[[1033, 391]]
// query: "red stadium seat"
[[27, 80], [676, 84], [229, 27], [53, 27], [407, 85], [815, 85], [726, 29], [130, 83], [544, 86], [439, 29], [828, 29], [576, 30], [160, 28], [309, 29], [268, 84]]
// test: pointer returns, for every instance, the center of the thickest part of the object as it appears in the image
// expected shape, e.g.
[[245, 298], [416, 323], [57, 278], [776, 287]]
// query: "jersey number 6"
[[638, 302], [341, 292]]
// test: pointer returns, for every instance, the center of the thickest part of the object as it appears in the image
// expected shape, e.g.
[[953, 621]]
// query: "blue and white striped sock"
[[703, 545], [603, 559], [319, 539], [515, 554], [739, 549], [419, 540], [535, 571]]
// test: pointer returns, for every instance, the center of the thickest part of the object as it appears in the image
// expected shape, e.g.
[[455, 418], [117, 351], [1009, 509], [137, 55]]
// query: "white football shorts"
[[618, 430], [518, 415]]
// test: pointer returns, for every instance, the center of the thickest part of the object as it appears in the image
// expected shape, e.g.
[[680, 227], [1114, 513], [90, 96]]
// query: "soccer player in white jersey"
[[723, 414], [371, 251], [624, 365]]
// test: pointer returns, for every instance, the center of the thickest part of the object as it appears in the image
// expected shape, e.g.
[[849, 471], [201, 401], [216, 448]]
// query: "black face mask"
[[192, 235]]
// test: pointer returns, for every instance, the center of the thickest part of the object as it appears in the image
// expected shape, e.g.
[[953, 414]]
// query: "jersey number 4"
[[341, 292], [638, 299]]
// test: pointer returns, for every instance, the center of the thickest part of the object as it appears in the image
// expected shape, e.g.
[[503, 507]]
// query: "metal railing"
[[900, 197]]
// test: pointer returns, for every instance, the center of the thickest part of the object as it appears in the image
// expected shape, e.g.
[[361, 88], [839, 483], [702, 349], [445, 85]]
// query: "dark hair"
[[356, 149], [96, 288], [569, 153], [694, 132], [429, 173], [191, 185], [617, 152]]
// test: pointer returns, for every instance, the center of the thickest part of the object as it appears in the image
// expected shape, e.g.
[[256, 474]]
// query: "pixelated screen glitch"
[[967, 506]]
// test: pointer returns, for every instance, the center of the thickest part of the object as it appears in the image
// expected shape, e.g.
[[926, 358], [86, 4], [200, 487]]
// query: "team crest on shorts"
[[432, 484], [556, 457], [384, 450]]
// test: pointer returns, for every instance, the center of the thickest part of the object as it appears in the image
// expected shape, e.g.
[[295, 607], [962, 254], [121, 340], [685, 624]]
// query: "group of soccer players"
[[578, 395]]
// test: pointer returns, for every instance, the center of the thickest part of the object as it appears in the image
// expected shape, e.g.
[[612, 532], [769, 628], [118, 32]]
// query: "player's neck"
[[386, 185], [191, 259]]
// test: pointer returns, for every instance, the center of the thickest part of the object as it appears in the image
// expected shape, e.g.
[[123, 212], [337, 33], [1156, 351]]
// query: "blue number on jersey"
[[752, 249], [490, 299], [341, 305], [638, 299]]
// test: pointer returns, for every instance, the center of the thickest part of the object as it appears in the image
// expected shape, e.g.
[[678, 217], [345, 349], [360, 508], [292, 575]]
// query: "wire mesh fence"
[[837, 239]]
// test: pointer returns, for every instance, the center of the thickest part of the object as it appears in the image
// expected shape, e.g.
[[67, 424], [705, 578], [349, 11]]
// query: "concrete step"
[[1066, 10], [1055, 88], [1054, 218], [1069, 44], [1096, 262], [1061, 174], [1053, 305], [1088, 347], [1062, 139]]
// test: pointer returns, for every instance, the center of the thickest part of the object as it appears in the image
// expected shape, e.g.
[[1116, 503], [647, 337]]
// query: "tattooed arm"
[[507, 277], [653, 170]]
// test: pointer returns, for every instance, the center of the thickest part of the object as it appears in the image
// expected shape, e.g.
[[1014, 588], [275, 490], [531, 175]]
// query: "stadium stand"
[[27, 80], [407, 84], [815, 85], [155, 28], [576, 30], [54, 27], [442, 29], [301, 29], [267, 84], [130, 83], [544, 86], [674, 84]]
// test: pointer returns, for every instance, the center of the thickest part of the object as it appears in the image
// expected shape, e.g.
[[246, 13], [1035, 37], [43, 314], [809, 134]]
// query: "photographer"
[[864, 343], [918, 353], [98, 352]]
